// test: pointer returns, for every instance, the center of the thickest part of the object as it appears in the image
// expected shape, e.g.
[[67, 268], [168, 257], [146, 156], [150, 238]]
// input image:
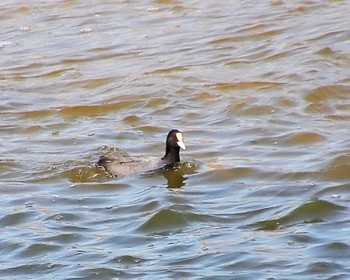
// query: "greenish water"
[[260, 91]]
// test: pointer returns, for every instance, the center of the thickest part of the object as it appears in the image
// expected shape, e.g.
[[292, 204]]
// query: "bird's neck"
[[172, 155]]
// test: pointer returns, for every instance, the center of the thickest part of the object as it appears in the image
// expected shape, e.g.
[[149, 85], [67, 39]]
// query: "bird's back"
[[122, 166]]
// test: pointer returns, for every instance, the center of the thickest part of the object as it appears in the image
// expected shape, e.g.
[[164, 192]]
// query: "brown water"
[[261, 90]]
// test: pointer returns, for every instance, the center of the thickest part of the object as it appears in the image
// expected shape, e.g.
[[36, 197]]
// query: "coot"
[[126, 165]]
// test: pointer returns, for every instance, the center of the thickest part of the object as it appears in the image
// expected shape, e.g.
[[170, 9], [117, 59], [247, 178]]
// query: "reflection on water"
[[174, 179], [260, 90], [176, 176]]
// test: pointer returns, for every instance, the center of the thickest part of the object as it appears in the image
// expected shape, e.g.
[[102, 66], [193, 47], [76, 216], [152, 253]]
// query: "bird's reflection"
[[175, 180], [177, 175]]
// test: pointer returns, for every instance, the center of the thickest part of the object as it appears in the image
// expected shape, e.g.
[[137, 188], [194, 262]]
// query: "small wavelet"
[[315, 211], [169, 221]]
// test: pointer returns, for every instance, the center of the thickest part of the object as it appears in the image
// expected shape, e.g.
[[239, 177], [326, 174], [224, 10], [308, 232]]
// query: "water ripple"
[[260, 91]]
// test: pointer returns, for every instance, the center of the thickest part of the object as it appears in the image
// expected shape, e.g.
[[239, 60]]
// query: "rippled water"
[[260, 90]]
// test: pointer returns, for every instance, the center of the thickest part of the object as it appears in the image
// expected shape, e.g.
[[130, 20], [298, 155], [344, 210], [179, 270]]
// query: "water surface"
[[260, 90]]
